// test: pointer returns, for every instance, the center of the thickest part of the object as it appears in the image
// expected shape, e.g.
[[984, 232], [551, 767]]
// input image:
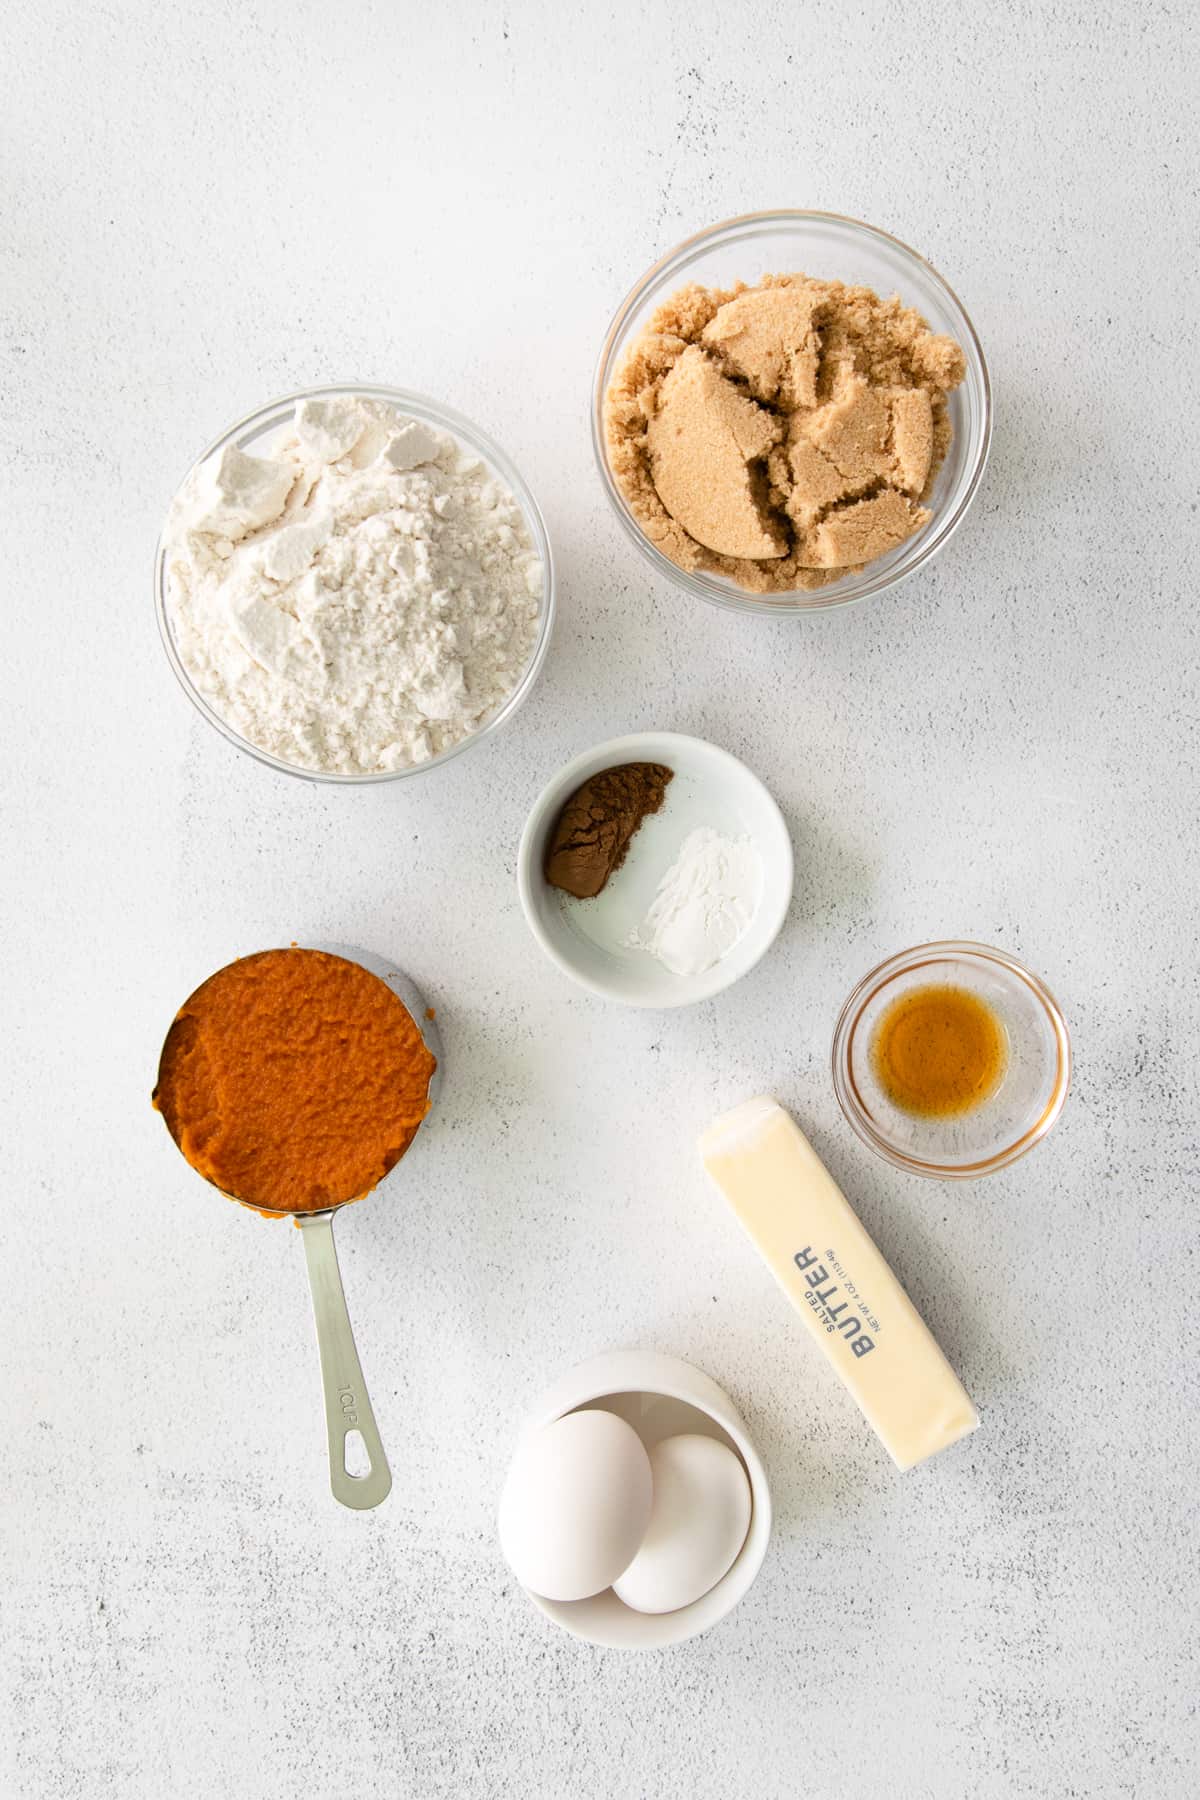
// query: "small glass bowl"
[[1017, 1115], [830, 247], [254, 433]]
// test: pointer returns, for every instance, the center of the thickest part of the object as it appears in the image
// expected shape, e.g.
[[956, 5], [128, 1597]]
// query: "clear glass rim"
[[850, 1018], [706, 587], [436, 413]]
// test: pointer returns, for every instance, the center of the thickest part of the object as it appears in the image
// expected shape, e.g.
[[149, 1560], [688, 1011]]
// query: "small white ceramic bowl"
[[660, 1396], [588, 938]]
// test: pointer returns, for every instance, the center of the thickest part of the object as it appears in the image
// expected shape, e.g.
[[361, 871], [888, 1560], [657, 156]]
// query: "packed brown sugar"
[[294, 1080], [781, 435]]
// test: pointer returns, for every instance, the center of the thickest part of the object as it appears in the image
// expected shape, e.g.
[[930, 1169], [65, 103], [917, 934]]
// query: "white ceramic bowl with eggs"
[[661, 1397], [589, 939]]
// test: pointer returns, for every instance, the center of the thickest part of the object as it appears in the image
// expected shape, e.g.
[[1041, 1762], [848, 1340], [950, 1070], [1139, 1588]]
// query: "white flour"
[[704, 903], [361, 599]]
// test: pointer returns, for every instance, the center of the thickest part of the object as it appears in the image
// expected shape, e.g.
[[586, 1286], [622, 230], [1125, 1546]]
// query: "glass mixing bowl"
[[832, 248], [1015, 1116], [254, 433]]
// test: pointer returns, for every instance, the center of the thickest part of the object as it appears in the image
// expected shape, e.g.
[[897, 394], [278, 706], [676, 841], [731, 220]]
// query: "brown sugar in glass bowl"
[[784, 434], [293, 1080], [830, 249]]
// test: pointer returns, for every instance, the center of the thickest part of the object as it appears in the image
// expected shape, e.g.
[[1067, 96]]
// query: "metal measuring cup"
[[347, 1404]]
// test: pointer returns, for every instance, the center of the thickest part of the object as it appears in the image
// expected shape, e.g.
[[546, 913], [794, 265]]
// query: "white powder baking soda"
[[360, 599], [704, 902]]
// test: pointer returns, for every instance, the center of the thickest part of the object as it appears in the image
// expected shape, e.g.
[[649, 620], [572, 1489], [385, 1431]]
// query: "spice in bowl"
[[293, 1080], [782, 435], [703, 902], [593, 832]]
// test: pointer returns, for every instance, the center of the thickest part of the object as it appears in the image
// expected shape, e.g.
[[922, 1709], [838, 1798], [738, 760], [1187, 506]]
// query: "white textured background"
[[206, 206]]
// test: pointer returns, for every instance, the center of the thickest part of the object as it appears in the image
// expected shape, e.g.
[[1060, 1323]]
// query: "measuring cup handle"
[[347, 1407]]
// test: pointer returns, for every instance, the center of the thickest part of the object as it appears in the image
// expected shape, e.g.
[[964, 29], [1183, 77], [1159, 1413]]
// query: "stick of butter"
[[830, 1270]]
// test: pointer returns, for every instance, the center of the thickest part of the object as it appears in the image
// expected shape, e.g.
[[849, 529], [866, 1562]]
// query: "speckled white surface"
[[207, 206]]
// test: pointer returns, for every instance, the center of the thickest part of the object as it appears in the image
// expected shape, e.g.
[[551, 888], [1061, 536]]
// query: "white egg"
[[698, 1524], [576, 1505]]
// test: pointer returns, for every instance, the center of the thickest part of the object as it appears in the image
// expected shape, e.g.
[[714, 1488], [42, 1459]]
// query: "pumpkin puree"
[[294, 1080]]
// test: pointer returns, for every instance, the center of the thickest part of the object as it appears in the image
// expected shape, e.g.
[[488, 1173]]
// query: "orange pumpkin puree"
[[294, 1080]]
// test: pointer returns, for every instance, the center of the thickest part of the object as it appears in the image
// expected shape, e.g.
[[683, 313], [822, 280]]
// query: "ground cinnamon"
[[593, 830], [294, 1080]]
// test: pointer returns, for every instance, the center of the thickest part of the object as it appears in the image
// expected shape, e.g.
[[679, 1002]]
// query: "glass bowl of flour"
[[354, 584]]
